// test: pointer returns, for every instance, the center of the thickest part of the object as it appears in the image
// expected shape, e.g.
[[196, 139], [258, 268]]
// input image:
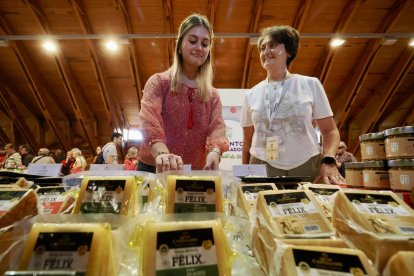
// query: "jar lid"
[[374, 164], [399, 130], [354, 165], [372, 136], [401, 163]]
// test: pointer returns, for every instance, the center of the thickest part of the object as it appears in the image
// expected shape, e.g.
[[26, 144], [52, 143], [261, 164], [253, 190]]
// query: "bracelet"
[[218, 151], [159, 153]]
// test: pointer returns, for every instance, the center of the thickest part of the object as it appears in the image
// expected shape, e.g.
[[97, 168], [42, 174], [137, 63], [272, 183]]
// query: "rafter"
[[329, 55], [106, 92], [47, 105], [212, 4], [132, 51], [353, 82], [169, 29], [4, 139], [409, 121], [301, 14], [254, 28], [13, 113], [384, 92], [83, 115]]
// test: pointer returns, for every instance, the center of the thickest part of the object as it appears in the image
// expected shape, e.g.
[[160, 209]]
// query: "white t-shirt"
[[110, 149], [302, 99]]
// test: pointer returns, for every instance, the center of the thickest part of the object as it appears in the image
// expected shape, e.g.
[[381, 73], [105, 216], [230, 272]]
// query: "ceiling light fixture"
[[411, 43], [50, 46], [112, 45], [4, 43], [335, 42], [388, 41]]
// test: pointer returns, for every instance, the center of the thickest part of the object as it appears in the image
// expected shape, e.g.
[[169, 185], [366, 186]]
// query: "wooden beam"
[[169, 29], [106, 92], [47, 105], [4, 139], [409, 121], [15, 116], [384, 92], [77, 101], [212, 4], [404, 101], [132, 52], [353, 82], [325, 65], [253, 28], [301, 14]]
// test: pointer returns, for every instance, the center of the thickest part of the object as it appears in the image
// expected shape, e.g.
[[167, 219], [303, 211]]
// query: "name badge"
[[272, 148]]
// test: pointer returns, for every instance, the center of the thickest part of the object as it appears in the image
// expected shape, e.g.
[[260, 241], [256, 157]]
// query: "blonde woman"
[[131, 159], [80, 162]]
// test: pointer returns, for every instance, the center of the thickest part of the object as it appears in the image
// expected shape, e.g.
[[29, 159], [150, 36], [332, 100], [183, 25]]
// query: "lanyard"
[[271, 112]]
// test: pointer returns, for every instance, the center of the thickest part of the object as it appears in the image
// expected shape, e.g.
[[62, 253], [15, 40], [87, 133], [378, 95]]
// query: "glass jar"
[[399, 142], [353, 174], [375, 175], [401, 173], [372, 146]]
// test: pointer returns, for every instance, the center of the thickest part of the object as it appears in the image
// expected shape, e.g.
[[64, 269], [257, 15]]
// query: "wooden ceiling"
[[79, 95]]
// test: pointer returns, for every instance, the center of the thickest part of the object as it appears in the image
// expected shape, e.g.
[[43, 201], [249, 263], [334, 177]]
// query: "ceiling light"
[[411, 43], [388, 41], [50, 46], [335, 42], [112, 45]]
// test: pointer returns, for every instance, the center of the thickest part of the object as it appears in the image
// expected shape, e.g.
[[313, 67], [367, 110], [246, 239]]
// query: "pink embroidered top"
[[189, 127]]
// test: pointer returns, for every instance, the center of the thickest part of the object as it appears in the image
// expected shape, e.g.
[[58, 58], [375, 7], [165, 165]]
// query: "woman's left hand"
[[212, 161], [329, 174]]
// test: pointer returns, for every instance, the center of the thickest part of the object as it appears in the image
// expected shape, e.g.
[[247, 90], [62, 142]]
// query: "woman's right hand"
[[168, 162]]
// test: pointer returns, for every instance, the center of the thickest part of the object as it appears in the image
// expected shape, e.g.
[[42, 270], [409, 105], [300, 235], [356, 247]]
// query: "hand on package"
[[329, 174], [168, 162], [212, 161]]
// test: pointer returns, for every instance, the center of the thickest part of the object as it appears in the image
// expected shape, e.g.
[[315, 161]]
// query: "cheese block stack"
[[185, 248], [378, 223], [84, 248], [324, 194], [247, 195], [111, 194], [191, 194]]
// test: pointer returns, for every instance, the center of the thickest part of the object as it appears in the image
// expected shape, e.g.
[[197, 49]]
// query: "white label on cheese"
[[323, 198], [250, 196], [288, 209], [380, 209], [323, 272]]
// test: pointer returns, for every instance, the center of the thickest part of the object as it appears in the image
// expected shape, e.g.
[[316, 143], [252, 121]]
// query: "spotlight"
[[335, 42], [112, 45], [50, 46]]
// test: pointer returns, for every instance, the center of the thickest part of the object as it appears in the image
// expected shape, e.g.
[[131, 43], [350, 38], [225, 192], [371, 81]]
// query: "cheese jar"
[[372, 146], [401, 174], [353, 174], [399, 142], [375, 175]]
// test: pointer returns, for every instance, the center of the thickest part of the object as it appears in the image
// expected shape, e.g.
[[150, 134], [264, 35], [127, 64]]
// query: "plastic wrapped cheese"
[[185, 248], [292, 213], [290, 260], [247, 195], [324, 194], [378, 223], [16, 204], [186, 194], [108, 194], [54, 200], [84, 248], [401, 263]]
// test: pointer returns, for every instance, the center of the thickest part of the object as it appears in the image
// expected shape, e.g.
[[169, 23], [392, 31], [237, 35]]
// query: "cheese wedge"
[[378, 223], [324, 194], [82, 247], [54, 200], [293, 213], [401, 263], [247, 195], [185, 248], [109, 194], [16, 204], [319, 260], [188, 194]]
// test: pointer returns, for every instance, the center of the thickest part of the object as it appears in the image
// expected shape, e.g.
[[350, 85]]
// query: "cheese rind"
[[16, 204], [180, 248], [401, 263], [187, 194]]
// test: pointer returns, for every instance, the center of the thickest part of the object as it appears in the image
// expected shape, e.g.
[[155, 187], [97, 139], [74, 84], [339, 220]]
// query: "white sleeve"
[[321, 106]]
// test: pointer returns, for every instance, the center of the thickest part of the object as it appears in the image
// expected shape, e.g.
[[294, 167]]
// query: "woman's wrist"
[[217, 151]]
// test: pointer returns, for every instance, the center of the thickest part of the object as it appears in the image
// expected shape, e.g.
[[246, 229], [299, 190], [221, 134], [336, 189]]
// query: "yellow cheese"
[[187, 194], [401, 263], [378, 223], [54, 199], [185, 248], [16, 204], [85, 247], [247, 195], [292, 260], [292, 213], [324, 193], [109, 194]]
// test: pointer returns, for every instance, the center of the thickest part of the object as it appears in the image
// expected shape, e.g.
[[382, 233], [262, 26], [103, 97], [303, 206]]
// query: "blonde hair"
[[76, 151], [131, 152], [44, 151], [205, 72]]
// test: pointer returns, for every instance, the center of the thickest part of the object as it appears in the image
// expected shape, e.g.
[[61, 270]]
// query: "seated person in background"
[[342, 157], [43, 157], [131, 159], [80, 162], [2, 156], [67, 164], [59, 156], [13, 159], [27, 155], [98, 150]]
